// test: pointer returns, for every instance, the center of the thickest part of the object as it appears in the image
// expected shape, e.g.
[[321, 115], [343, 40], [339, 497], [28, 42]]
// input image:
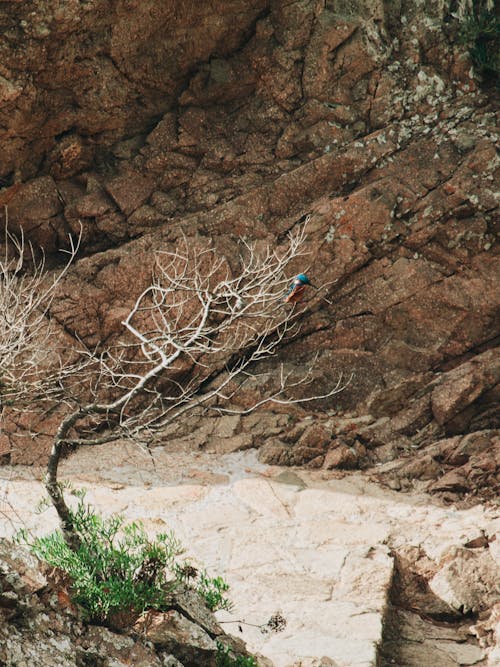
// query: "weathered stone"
[[39, 625], [170, 629], [488, 632], [130, 191], [94, 204], [191, 605], [468, 580], [315, 436], [170, 661], [97, 642], [20, 571], [392, 400], [8, 91], [33, 202], [275, 451], [464, 465], [415, 641], [465, 384], [341, 457]]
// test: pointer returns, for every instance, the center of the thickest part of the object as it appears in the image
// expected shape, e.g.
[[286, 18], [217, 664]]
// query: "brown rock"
[[462, 465], [94, 204], [240, 123], [341, 457], [276, 452], [130, 191], [454, 480], [301, 455], [35, 201], [29, 205], [170, 630], [120, 80], [315, 436], [463, 385]]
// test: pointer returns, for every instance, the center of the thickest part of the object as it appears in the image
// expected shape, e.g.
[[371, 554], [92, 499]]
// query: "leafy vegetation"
[[212, 589], [480, 31], [226, 658], [118, 568]]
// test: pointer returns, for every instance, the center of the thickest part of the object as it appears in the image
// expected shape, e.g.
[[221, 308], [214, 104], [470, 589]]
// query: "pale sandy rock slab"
[[346, 506], [213, 555], [341, 532], [373, 565], [494, 548], [206, 477], [215, 514], [259, 495], [344, 620], [314, 552], [316, 662], [294, 590], [264, 555], [346, 652], [156, 500], [325, 559]]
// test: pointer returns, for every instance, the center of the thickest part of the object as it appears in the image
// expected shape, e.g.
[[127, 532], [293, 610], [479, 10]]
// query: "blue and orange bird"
[[297, 288]]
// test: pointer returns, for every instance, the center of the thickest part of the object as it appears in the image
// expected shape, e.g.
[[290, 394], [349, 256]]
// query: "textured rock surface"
[[39, 626], [230, 118], [137, 121], [432, 595], [319, 548], [469, 581]]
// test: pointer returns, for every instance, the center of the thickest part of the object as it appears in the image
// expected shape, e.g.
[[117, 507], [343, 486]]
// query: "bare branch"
[[192, 339], [26, 294]]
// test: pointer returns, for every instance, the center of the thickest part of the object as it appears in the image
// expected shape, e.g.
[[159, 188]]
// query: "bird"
[[297, 288]]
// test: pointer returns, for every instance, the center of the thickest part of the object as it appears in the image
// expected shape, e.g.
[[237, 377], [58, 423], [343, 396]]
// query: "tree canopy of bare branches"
[[191, 340], [26, 294]]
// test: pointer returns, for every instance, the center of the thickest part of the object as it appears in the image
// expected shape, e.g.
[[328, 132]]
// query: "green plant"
[[212, 589], [226, 658], [480, 31], [117, 567]]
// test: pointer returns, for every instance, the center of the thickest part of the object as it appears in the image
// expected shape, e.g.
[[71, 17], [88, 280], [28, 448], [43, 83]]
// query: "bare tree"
[[191, 341], [26, 294]]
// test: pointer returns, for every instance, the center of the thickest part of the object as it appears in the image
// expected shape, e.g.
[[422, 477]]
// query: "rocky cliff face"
[[140, 121], [39, 625]]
